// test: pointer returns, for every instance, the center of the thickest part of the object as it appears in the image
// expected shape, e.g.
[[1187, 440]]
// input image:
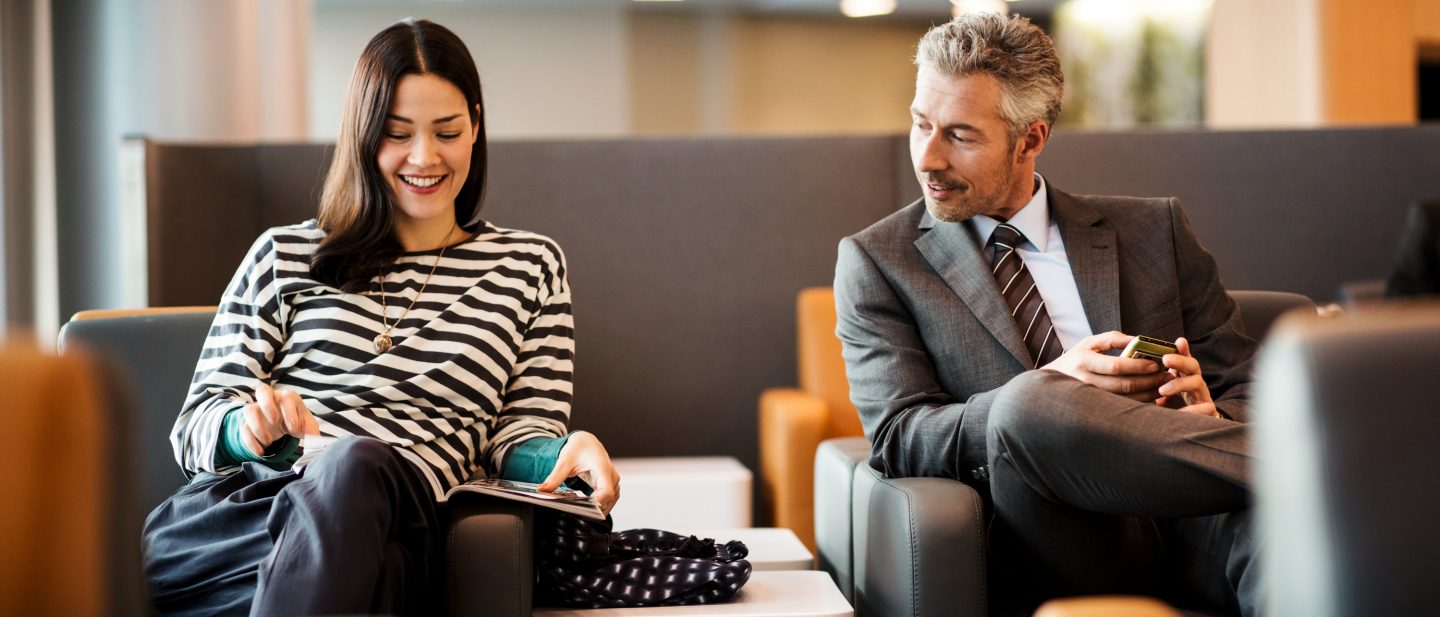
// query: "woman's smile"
[[423, 185]]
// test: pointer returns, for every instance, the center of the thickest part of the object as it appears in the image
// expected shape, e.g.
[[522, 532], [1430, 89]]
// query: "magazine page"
[[312, 445], [563, 499]]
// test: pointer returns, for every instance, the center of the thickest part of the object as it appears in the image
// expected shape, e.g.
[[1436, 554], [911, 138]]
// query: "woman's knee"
[[354, 460]]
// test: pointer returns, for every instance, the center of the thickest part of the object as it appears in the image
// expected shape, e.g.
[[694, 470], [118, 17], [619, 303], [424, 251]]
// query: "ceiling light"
[[962, 7], [866, 8]]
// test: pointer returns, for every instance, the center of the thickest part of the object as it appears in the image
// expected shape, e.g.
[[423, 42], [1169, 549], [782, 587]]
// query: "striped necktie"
[[1018, 288]]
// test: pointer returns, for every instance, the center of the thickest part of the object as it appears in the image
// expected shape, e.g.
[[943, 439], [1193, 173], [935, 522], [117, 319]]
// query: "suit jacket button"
[[981, 473]]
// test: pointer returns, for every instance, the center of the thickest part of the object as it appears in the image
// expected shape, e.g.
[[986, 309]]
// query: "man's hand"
[[1189, 383], [1132, 378], [274, 415], [584, 456]]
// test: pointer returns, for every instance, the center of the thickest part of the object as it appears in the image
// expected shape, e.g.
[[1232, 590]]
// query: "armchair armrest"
[[490, 557], [919, 546], [792, 422], [835, 463]]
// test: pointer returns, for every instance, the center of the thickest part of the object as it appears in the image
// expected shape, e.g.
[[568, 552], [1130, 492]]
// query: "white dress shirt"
[[1044, 255]]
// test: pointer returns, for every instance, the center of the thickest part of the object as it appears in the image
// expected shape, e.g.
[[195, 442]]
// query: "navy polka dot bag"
[[582, 563]]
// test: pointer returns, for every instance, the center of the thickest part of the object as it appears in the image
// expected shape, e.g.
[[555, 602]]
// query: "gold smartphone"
[[1148, 348]]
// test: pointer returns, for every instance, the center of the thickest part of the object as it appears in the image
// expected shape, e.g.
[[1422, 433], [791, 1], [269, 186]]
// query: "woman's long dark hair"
[[355, 206]]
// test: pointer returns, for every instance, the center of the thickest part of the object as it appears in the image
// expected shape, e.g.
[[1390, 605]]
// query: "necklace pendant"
[[383, 343]]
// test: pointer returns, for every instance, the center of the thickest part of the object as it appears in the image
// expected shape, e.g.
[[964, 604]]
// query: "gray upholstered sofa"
[[916, 546]]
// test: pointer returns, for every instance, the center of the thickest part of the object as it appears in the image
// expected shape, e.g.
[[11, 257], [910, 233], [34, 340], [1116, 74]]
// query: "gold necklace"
[[383, 342]]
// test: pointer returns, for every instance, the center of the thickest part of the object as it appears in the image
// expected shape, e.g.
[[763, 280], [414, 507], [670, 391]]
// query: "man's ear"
[[1032, 143]]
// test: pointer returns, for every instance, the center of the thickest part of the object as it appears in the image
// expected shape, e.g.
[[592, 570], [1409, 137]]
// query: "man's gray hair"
[[1014, 51]]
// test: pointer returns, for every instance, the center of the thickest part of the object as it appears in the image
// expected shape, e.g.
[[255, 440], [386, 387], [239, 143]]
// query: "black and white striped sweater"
[[483, 361]]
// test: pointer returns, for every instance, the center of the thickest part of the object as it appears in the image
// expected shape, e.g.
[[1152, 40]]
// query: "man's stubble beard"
[[969, 205]]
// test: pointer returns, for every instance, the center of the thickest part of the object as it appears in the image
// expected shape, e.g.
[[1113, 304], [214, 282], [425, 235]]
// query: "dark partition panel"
[[1301, 210], [1297, 211], [685, 258], [686, 254]]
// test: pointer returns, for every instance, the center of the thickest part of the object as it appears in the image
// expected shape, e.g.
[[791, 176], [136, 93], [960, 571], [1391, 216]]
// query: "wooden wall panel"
[[1368, 54]]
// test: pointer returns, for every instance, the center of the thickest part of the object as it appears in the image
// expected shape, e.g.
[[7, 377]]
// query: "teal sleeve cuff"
[[532, 460], [231, 450]]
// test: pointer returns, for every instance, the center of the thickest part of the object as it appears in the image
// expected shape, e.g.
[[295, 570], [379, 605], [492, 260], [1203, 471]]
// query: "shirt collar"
[[1033, 220]]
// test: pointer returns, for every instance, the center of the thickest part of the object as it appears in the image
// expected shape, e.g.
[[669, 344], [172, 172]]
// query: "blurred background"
[[76, 76]]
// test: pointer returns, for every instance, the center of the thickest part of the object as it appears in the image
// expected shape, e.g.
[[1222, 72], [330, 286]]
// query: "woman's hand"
[[274, 415], [584, 456], [1189, 383]]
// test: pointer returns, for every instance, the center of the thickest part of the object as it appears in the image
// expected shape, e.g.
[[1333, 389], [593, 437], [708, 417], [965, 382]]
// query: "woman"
[[425, 343]]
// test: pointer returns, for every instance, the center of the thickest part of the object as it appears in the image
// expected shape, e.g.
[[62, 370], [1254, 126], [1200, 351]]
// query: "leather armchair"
[[1347, 428], [152, 354], [489, 548], [916, 546], [793, 421]]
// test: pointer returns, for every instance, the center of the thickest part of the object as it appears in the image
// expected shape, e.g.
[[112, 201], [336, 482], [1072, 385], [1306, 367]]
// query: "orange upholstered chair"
[[69, 547], [793, 421]]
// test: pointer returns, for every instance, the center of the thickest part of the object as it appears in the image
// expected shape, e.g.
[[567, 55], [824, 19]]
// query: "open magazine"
[[563, 499]]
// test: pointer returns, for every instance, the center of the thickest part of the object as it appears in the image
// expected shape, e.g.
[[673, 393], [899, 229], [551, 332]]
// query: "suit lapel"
[[1094, 262], [958, 259]]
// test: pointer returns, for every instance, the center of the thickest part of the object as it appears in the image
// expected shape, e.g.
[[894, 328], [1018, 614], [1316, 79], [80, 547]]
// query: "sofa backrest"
[[686, 254], [1296, 210]]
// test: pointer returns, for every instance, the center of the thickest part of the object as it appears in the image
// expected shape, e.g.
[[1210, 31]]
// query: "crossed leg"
[[1094, 493]]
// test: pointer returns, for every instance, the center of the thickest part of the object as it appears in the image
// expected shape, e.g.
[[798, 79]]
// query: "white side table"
[[767, 594], [683, 492], [771, 548]]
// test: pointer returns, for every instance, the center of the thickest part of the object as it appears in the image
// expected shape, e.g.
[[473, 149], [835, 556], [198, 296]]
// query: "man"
[[1103, 474]]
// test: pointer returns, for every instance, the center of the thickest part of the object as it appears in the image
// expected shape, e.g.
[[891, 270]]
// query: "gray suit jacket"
[[928, 339]]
